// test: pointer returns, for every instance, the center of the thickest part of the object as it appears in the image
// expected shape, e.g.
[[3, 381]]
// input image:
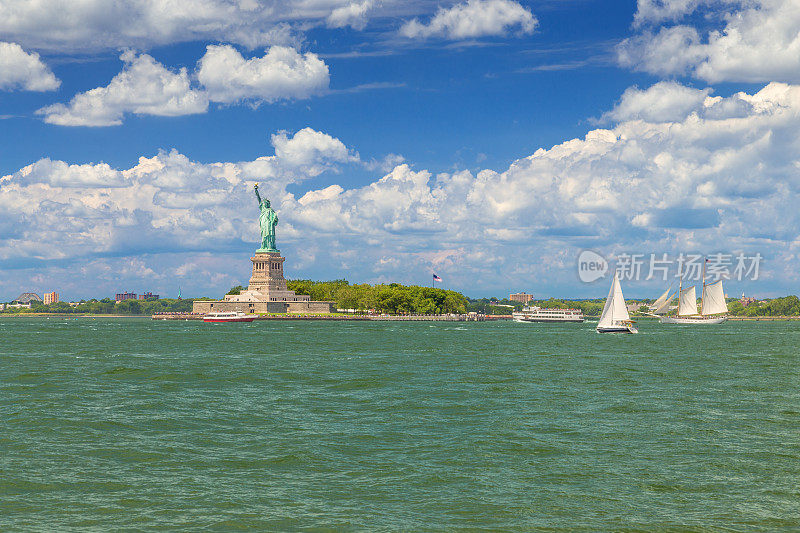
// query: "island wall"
[[228, 306]]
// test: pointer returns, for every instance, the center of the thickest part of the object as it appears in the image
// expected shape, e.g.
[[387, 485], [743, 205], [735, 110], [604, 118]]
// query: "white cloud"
[[95, 25], [757, 41], [165, 202], [474, 18], [310, 150], [143, 87], [665, 101], [22, 70], [661, 10], [146, 87], [353, 14], [74, 25], [282, 73], [722, 177], [60, 174]]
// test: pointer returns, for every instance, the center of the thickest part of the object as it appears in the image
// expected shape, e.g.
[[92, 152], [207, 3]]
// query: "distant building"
[[125, 296], [523, 297], [27, 298], [747, 300], [148, 296], [50, 297], [634, 306]]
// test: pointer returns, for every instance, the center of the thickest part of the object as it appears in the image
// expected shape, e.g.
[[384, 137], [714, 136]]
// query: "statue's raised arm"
[[255, 188]]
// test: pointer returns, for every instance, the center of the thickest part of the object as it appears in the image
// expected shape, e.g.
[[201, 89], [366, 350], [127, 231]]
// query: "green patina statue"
[[268, 220]]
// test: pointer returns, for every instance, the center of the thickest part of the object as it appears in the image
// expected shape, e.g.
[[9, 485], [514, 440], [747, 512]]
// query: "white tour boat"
[[233, 316], [615, 317], [538, 314]]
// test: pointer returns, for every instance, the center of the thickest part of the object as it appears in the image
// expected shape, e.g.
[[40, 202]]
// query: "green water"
[[136, 424]]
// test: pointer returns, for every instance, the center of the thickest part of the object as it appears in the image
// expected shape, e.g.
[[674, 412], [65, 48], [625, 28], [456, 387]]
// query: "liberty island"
[[267, 291]]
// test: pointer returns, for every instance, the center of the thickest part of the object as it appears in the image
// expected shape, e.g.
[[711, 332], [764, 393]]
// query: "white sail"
[[664, 298], [714, 299], [614, 310], [664, 307], [688, 302]]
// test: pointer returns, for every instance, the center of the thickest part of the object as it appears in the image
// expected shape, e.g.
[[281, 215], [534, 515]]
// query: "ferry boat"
[[233, 316], [538, 314]]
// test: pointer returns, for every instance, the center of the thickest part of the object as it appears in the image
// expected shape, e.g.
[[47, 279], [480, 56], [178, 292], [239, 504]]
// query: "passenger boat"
[[615, 317], [233, 316], [538, 314]]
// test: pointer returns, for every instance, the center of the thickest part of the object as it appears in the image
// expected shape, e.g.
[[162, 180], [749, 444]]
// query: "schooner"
[[713, 308]]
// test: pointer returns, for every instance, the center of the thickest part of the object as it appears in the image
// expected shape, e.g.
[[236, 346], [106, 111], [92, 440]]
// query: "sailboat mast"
[[680, 289], [703, 292]]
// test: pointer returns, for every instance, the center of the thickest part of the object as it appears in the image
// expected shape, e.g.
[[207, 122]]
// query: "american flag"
[[436, 278]]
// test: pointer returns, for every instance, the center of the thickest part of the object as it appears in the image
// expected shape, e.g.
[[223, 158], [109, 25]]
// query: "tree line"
[[785, 306], [107, 306], [393, 298]]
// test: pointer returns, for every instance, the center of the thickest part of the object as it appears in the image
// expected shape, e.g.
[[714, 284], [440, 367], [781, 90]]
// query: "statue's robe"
[[268, 220]]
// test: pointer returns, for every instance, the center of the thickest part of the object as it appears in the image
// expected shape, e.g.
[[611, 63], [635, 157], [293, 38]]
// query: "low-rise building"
[[634, 306], [50, 298], [747, 300], [125, 296], [148, 296], [523, 297]]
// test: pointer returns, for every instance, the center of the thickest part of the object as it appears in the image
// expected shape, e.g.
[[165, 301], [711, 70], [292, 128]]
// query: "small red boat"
[[228, 317]]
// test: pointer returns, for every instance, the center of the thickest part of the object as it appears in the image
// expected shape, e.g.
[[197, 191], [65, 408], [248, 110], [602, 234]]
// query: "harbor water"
[[109, 424]]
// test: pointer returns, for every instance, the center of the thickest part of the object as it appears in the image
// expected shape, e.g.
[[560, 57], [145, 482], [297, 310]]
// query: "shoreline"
[[408, 318], [65, 315]]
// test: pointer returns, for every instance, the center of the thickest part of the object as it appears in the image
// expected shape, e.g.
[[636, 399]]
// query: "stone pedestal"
[[267, 272], [267, 292], [268, 281]]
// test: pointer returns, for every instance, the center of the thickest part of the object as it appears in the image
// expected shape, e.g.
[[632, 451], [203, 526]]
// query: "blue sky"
[[489, 141]]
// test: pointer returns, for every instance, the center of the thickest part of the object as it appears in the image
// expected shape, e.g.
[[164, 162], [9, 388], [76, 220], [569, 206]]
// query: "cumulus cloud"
[[281, 73], [353, 14], [665, 101], [654, 11], [62, 175], [165, 202], [472, 19], [756, 41], [311, 151], [144, 87], [85, 25], [23, 70], [698, 182]]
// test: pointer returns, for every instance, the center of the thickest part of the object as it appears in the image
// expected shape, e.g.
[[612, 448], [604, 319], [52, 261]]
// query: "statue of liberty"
[[268, 220]]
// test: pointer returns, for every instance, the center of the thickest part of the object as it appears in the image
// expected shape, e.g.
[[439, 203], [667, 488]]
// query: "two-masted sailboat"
[[615, 317], [713, 308]]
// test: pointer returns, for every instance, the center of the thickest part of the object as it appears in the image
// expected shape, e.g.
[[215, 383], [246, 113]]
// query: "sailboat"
[[713, 307], [662, 303], [615, 317]]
